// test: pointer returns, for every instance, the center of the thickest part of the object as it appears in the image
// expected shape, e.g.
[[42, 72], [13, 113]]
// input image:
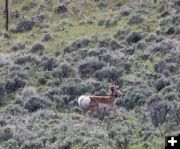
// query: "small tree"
[[2, 93], [6, 15], [159, 109]]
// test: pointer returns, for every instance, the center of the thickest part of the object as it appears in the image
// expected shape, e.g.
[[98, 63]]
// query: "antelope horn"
[[115, 83], [112, 83]]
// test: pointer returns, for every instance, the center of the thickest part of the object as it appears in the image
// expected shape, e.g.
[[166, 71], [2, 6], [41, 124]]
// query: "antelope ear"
[[111, 88]]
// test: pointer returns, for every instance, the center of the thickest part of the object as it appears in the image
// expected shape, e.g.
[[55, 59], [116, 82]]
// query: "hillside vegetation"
[[53, 53]]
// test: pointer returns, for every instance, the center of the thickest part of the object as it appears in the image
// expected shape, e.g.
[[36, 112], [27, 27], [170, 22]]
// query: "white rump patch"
[[84, 101]]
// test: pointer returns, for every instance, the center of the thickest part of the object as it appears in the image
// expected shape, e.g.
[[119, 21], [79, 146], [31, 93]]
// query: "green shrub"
[[32, 145], [115, 45], [64, 71], [166, 21], [171, 96], [6, 134], [88, 68], [161, 83], [167, 89], [63, 144], [173, 67], [101, 22], [176, 117], [136, 19], [24, 24], [47, 37], [178, 85], [54, 91], [28, 92], [121, 34], [97, 52], [129, 51], [125, 11], [134, 37], [105, 42], [49, 63], [12, 144], [15, 109], [37, 47], [164, 46], [101, 92], [105, 58], [133, 97], [159, 110], [21, 60], [14, 84], [61, 9], [78, 44], [15, 79], [109, 73], [77, 110], [35, 103], [170, 30], [61, 101], [75, 90], [2, 94], [111, 22]]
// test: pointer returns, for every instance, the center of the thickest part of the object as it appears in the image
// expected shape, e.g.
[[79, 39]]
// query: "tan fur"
[[102, 99]]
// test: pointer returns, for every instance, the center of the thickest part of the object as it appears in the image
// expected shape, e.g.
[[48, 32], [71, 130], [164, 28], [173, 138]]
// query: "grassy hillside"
[[53, 53]]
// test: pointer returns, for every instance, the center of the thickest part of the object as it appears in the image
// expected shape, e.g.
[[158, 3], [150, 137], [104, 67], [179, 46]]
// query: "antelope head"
[[115, 91]]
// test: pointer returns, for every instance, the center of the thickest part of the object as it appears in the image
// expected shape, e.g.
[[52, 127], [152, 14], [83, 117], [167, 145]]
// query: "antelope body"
[[100, 103]]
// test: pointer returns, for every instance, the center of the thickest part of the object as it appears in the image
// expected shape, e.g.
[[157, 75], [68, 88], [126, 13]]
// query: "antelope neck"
[[112, 96]]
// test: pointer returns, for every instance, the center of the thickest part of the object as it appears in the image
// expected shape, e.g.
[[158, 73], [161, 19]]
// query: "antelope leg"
[[114, 109], [85, 111], [93, 109]]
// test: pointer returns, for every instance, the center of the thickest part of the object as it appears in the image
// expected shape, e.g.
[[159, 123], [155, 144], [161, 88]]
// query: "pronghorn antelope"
[[100, 103]]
